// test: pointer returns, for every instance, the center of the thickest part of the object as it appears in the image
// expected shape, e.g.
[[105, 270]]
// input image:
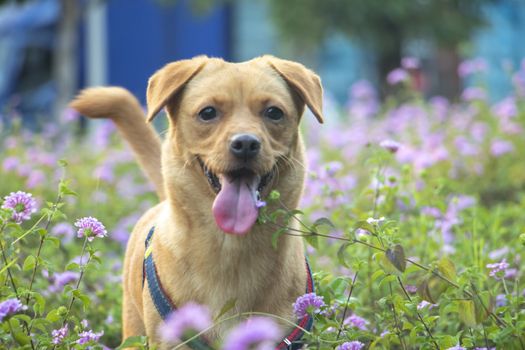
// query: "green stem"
[[42, 240], [82, 269], [396, 322], [346, 306], [418, 314]]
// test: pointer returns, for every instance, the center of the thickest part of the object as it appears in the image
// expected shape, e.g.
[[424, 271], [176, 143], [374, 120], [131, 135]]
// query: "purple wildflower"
[[61, 279], [457, 347], [89, 336], [64, 229], [397, 76], [410, 63], [352, 345], [423, 304], [497, 268], [506, 108], [59, 335], [190, 317], [473, 93], [500, 147], [9, 307], [10, 163], [308, 303], [35, 179], [259, 203], [22, 204], [468, 67], [259, 331], [90, 228], [357, 322], [390, 145]]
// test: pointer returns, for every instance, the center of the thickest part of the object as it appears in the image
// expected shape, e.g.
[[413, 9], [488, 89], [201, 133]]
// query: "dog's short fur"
[[196, 260]]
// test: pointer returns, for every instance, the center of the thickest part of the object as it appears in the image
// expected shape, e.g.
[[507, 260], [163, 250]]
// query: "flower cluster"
[[256, 331], [309, 303], [22, 205], [59, 335], [90, 227], [190, 317], [10, 307], [353, 345], [498, 269]]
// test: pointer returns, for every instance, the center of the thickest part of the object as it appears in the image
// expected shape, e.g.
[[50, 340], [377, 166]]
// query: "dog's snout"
[[245, 146]]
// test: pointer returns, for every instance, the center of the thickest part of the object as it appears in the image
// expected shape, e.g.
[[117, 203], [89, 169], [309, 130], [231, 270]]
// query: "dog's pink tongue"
[[234, 207]]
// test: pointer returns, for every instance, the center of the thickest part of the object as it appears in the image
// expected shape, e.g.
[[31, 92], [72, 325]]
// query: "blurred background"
[[49, 49]]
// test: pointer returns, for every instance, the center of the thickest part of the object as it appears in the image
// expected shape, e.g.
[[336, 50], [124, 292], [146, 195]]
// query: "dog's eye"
[[274, 113], [208, 113]]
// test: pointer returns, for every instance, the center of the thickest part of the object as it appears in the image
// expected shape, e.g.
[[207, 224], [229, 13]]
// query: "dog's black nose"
[[245, 146]]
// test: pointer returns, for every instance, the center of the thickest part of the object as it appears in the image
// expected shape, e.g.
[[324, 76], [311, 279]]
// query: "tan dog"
[[233, 137]]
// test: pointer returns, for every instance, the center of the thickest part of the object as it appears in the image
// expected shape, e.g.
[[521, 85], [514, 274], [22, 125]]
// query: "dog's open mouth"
[[236, 205]]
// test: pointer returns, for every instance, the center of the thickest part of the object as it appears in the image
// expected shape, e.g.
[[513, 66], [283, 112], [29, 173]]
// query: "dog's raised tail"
[[119, 105]]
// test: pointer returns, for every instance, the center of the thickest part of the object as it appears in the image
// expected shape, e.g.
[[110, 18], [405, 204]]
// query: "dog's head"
[[237, 123]]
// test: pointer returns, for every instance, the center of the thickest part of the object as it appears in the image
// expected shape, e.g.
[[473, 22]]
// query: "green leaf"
[[9, 264], [484, 304], [323, 222], [65, 190], [229, 305], [135, 341], [73, 266], [82, 297], [447, 268], [29, 263], [313, 240], [53, 316], [386, 264], [365, 226], [397, 257], [341, 254], [40, 304], [276, 235], [467, 312]]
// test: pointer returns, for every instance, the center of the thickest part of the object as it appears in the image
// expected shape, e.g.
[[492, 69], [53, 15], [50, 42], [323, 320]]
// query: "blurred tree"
[[383, 27]]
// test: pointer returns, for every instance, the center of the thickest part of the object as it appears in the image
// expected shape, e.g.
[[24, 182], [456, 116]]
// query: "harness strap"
[[165, 306]]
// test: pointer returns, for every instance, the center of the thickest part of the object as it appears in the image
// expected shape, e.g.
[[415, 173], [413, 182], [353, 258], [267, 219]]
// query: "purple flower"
[[390, 145], [473, 93], [410, 63], [497, 268], [357, 322], [190, 317], [259, 331], [61, 279], [90, 228], [89, 336], [506, 108], [64, 229], [9, 307], [468, 67], [353, 345], [22, 204], [59, 335], [308, 303], [500, 147], [10, 163], [363, 90], [457, 347], [35, 179], [397, 76], [423, 304], [259, 203]]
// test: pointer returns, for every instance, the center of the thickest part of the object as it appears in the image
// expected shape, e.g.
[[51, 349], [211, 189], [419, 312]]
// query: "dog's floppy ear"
[[169, 80], [305, 82]]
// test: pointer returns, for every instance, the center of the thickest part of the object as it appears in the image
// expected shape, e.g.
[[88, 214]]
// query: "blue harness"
[[165, 306]]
